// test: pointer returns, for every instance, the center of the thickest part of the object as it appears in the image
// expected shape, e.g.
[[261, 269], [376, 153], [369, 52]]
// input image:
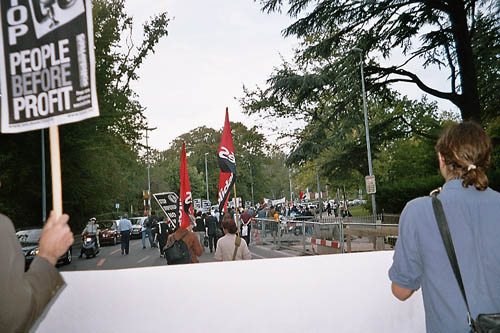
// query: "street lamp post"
[[206, 174], [370, 169], [251, 180], [319, 194], [149, 176]]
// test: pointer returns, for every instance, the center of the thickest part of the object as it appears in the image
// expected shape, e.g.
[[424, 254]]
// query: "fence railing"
[[312, 235]]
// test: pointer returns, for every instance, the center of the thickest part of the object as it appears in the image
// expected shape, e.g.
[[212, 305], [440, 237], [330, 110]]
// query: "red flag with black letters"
[[227, 165], [186, 199]]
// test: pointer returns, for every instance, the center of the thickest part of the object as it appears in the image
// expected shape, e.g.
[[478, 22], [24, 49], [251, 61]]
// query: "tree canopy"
[[459, 36], [100, 159]]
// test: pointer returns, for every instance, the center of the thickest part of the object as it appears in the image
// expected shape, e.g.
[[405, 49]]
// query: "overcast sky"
[[213, 48]]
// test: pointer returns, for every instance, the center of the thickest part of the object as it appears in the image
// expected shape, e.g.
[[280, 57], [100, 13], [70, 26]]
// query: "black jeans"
[[212, 242], [125, 241]]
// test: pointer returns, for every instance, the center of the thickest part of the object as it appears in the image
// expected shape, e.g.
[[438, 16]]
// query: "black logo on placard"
[[172, 197], [50, 14], [44, 10]]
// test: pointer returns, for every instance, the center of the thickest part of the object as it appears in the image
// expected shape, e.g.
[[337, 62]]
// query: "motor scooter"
[[89, 246]]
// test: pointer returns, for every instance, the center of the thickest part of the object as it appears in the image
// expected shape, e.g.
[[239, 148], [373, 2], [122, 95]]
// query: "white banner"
[[279, 201], [346, 288]]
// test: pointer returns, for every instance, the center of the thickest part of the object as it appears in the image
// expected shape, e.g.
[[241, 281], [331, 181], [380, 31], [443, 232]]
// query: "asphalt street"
[[110, 257]]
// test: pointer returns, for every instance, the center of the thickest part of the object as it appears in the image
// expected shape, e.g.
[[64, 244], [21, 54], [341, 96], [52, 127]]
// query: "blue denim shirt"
[[124, 225], [420, 258]]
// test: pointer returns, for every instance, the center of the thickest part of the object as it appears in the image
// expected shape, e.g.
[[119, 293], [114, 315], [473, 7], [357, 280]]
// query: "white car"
[[137, 225]]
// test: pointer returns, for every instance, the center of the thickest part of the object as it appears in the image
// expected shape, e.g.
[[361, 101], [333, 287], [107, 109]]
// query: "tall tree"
[[100, 156], [251, 159], [439, 32]]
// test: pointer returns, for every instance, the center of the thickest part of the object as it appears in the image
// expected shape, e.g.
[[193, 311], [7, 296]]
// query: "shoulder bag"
[[489, 323]]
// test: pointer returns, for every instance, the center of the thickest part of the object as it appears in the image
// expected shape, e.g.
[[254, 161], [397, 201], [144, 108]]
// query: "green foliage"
[[441, 33], [256, 163], [359, 210], [392, 196], [99, 157], [493, 172]]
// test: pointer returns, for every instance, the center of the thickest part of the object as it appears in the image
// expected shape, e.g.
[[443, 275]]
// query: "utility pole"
[[149, 176], [319, 194], [379, 242], [206, 174], [251, 180]]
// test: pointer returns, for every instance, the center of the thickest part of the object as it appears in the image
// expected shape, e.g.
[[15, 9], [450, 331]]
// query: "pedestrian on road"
[[147, 224], [211, 226], [124, 228], [472, 211], [25, 295], [273, 220], [164, 230], [246, 218], [261, 215], [226, 245], [199, 228], [191, 240]]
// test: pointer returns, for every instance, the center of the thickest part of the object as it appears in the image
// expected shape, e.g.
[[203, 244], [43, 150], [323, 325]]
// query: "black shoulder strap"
[[448, 245]]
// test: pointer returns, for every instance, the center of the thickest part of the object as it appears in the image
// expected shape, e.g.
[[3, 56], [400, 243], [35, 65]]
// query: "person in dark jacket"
[[164, 230], [199, 228], [211, 225]]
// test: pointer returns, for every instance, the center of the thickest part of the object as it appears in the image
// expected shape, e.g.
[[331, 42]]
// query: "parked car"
[[137, 223], [29, 239], [108, 232]]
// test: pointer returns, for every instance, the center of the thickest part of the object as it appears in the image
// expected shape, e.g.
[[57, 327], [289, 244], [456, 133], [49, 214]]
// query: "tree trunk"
[[470, 106]]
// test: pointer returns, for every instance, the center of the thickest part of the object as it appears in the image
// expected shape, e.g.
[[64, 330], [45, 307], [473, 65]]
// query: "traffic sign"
[[371, 188]]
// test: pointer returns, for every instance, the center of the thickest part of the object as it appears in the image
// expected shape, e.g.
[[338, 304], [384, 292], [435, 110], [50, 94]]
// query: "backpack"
[[147, 222], [177, 251]]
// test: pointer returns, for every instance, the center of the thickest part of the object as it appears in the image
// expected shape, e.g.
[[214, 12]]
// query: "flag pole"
[[55, 165], [236, 213]]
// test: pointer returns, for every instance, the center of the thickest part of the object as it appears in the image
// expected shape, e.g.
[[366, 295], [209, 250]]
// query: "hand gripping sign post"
[[46, 70]]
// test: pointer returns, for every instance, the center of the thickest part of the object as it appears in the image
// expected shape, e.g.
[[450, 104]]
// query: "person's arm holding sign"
[[24, 295]]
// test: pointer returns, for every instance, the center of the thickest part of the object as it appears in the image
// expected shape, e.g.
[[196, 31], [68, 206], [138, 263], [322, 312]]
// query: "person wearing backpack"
[[190, 239]]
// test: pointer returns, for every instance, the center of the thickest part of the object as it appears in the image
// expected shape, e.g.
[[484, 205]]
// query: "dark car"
[[29, 239], [108, 232]]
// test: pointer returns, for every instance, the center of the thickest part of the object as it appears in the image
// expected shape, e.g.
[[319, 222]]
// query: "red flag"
[[301, 195], [185, 207], [227, 164]]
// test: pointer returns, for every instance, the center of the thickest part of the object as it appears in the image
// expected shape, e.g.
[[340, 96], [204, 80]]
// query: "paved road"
[[110, 257]]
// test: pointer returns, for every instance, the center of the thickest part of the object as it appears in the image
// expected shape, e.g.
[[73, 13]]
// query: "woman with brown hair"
[[472, 211], [226, 245]]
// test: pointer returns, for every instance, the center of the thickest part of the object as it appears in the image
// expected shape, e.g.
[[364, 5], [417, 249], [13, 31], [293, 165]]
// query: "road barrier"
[[349, 234]]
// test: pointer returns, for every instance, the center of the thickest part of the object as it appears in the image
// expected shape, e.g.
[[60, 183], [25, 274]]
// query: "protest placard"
[[46, 64], [169, 203]]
